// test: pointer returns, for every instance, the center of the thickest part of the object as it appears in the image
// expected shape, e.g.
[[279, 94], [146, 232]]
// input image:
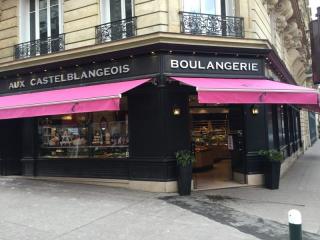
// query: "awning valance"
[[93, 98], [250, 91]]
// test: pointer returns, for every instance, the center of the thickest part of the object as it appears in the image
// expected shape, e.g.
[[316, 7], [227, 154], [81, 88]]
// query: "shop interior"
[[85, 135], [210, 130]]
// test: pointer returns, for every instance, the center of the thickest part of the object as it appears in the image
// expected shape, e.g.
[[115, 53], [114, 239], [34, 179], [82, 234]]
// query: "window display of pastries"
[[66, 138], [62, 136], [97, 139], [54, 141]]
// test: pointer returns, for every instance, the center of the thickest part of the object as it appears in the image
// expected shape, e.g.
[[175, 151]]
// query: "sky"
[[313, 5]]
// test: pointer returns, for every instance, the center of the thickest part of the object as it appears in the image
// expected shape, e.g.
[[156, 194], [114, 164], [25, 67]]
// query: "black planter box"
[[272, 174], [184, 180]]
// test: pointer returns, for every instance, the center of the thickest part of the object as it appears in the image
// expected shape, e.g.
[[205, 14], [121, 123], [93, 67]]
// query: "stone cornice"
[[134, 42]]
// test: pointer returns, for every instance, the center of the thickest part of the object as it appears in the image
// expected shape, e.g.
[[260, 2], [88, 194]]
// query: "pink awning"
[[250, 91], [93, 98]]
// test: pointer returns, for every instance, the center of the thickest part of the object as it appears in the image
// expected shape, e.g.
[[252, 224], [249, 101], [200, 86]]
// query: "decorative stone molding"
[[303, 55], [302, 18], [281, 23], [284, 12], [271, 4], [284, 8], [292, 35]]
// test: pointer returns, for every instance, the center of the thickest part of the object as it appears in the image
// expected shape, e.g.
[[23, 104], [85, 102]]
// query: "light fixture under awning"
[[250, 91], [92, 98]]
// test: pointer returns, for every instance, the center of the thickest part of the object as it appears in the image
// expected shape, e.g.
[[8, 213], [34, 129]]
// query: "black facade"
[[155, 133]]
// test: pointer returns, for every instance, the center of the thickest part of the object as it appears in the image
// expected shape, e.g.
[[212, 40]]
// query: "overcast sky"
[[313, 5]]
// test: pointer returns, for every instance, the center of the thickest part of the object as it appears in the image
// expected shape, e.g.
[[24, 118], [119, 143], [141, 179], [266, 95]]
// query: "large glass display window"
[[88, 135]]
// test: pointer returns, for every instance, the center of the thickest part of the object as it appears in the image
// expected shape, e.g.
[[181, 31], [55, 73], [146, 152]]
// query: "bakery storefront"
[[124, 119]]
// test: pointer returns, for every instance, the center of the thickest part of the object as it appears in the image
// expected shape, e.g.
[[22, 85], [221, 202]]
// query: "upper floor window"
[[215, 7], [40, 28], [117, 20], [211, 17], [115, 10], [40, 19]]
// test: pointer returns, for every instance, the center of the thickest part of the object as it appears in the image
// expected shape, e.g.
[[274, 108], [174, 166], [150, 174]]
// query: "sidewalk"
[[299, 189], [41, 210], [262, 212]]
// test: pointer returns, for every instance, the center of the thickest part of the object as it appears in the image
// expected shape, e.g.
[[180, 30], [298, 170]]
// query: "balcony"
[[39, 47], [212, 25], [116, 30]]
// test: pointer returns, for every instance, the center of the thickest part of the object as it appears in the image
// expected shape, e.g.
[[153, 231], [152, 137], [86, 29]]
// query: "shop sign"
[[71, 76], [127, 69], [214, 65], [102, 72]]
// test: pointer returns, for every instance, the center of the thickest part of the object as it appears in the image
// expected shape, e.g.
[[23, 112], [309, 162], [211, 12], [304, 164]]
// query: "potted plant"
[[185, 158], [272, 166]]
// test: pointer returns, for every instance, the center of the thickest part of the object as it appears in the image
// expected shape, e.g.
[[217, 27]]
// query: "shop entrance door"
[[210, 132]]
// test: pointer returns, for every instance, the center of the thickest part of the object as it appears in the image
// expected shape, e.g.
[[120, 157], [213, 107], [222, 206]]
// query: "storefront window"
[[89, 135]]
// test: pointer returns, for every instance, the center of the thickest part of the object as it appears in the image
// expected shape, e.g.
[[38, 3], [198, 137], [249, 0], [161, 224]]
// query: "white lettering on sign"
[[72, 76], [214, 65], [174, 63], [16, 85]]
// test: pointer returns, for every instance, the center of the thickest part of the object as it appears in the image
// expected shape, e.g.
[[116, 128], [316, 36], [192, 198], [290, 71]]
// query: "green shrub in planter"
[[272, 166], [185, 158]]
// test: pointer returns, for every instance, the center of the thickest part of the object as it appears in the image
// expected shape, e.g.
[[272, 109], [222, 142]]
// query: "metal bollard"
[[295, 225]]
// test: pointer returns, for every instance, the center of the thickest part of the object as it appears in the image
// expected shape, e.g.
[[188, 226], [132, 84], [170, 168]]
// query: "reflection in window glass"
[[208, 6], [54, 15], [32, 17], [115, 10], [43, 24], [192, 6], [32, 26], [32, 5], [128, 9], [42, 4], [230, 8], [90, 135], [53, 2]]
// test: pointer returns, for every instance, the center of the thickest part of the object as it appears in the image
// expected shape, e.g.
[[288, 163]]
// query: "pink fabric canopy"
[[250, 91], [65, 101]]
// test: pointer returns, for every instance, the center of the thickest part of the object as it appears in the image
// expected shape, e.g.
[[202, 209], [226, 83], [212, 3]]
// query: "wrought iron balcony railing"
[[39, 47], [116, 30], [215, 25]]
